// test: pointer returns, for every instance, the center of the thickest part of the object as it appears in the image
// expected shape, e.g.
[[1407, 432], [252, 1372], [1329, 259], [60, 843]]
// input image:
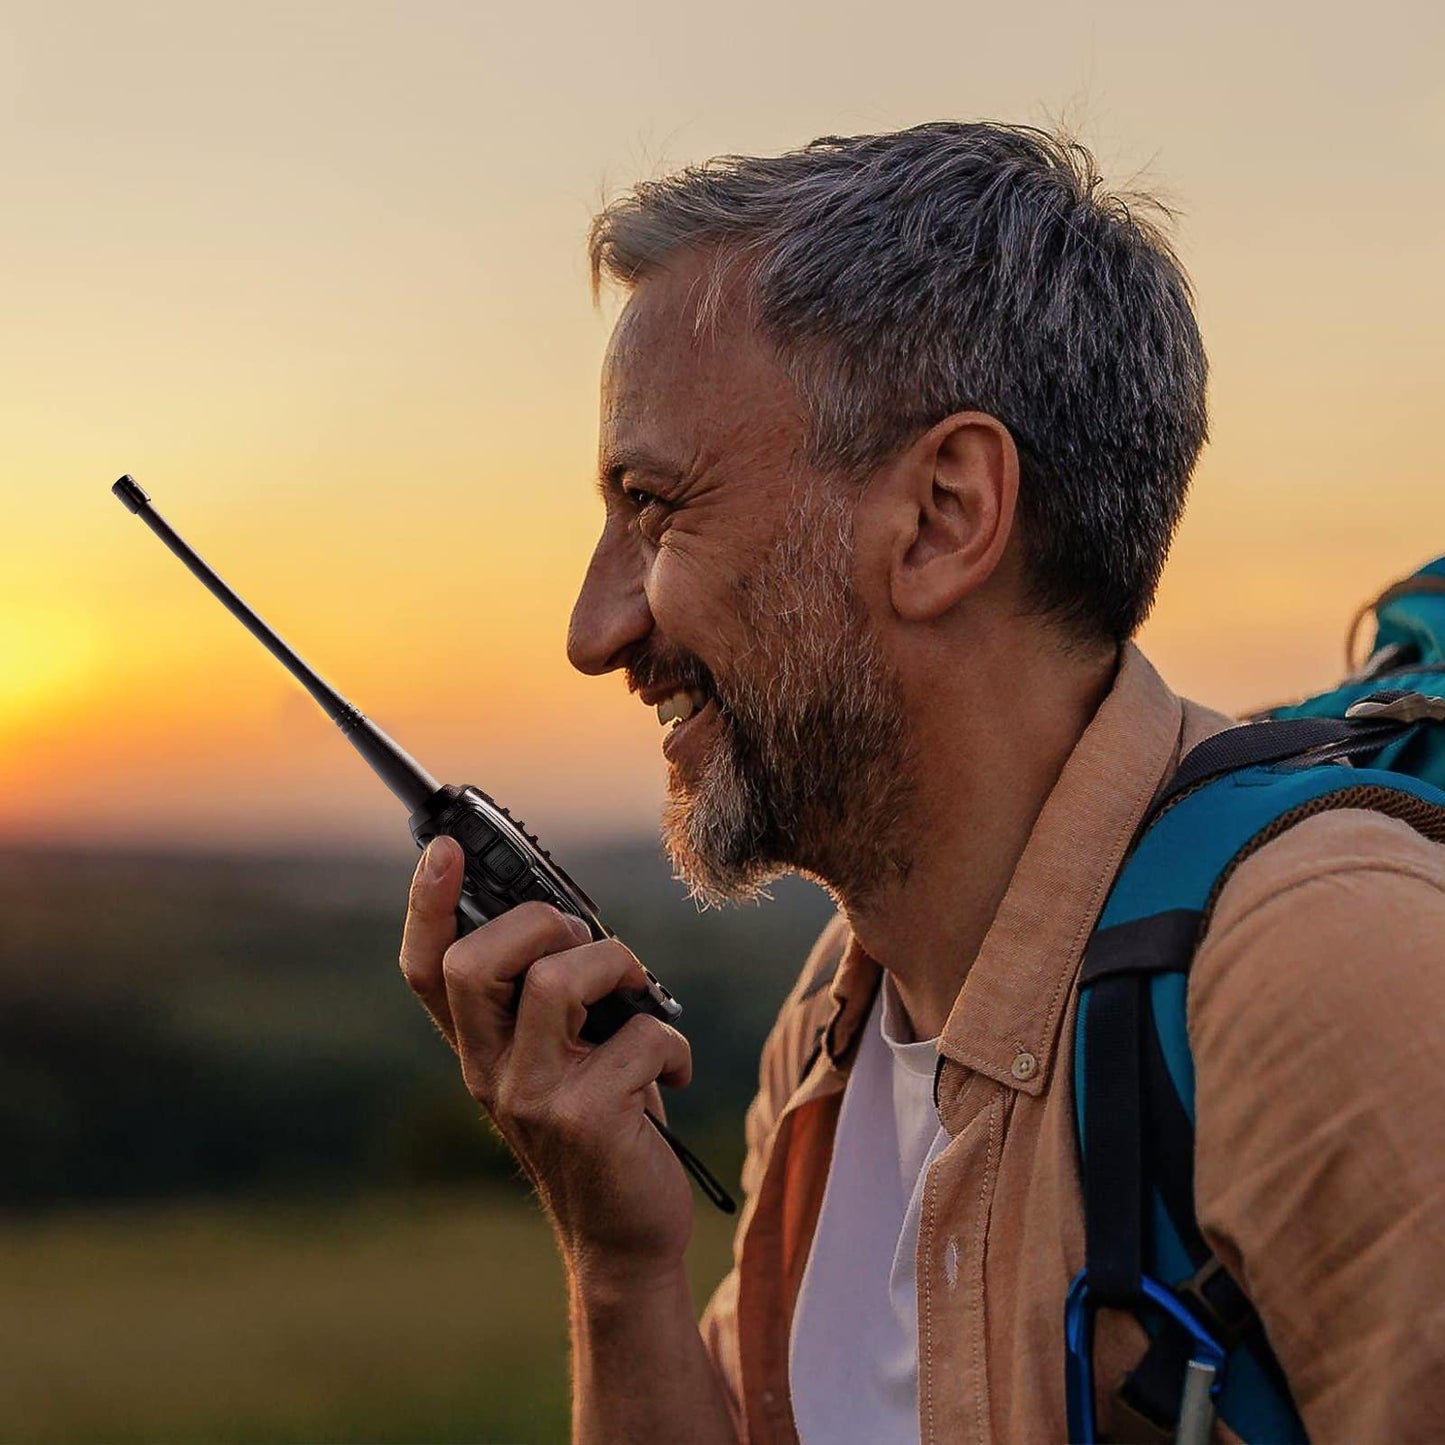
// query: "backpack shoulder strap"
[[1134, 1078]]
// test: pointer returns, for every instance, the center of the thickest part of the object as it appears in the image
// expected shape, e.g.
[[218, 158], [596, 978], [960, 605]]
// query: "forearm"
[[640, 1371]]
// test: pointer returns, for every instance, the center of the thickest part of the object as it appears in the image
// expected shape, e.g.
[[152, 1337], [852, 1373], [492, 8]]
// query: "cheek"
[[693, 592]]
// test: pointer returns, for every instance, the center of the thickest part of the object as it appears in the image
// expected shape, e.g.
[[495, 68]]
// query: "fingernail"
[[436, 859], [580, 930]]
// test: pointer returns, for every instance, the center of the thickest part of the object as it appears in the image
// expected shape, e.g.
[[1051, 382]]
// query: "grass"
[[435, 1317]]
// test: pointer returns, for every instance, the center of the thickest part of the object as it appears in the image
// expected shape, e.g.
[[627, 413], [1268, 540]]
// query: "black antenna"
[[397, 769]]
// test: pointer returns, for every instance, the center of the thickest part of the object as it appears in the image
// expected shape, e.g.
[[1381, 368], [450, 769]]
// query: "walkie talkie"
[[505, 864]]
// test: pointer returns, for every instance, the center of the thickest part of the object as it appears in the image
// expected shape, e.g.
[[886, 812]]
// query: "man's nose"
[[611, 614]]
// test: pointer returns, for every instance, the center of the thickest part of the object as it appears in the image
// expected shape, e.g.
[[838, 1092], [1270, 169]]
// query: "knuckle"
[[659, 1041], [628, 965], [546, 984], [458, 968], [542, 920], [645, 1030], [517, 1107], [452, 964], [616, 950], [478, 1086], [420, 967], [650, 1032], [417, 980], [503, 1100]]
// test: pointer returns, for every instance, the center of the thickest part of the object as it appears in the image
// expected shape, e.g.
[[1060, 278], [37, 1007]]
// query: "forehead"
[[686, 386]]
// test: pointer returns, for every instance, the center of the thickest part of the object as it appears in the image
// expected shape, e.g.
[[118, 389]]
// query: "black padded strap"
[[1160, 943], [1113, 1140], [1169, 1135], [1254, 744], [1154, 1388]]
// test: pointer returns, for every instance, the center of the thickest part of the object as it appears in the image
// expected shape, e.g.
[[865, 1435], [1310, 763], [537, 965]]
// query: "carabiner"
[[1206, 1362]]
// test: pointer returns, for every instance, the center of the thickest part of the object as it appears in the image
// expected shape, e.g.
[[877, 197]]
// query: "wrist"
[[600, 1287]]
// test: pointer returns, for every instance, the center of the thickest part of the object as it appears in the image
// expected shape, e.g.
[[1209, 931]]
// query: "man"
[[896, 431]]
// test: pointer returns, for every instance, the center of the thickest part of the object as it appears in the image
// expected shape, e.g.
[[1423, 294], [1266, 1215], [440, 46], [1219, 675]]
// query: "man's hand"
[[511, 999]]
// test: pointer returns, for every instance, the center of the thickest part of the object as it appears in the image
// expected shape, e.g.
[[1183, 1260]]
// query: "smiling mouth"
[[681, 705], [684, 743]]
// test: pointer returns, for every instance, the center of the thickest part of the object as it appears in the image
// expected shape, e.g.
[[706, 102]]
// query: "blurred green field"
[[435, 1316], [244, 1195]]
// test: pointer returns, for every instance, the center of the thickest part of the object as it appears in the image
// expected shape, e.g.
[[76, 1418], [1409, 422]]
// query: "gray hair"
[[955, 267]]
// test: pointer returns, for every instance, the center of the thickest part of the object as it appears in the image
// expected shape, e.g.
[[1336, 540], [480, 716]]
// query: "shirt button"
[[1024, 1066]]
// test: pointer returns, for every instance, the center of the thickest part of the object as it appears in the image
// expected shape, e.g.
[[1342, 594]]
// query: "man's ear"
[[948, 506]]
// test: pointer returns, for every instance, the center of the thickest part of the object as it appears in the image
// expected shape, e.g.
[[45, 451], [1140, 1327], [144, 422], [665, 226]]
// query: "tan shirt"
[[1317, 1022]]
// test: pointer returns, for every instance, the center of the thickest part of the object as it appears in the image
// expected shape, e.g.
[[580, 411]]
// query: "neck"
[[992, 740]]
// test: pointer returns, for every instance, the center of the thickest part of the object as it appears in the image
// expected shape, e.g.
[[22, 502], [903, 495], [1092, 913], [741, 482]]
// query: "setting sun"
[[46, 657]]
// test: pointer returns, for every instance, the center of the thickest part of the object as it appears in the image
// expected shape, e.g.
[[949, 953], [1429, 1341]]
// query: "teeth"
[[681, 706]]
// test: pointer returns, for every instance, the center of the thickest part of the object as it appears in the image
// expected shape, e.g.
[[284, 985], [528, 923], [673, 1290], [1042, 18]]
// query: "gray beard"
[[812, 772]]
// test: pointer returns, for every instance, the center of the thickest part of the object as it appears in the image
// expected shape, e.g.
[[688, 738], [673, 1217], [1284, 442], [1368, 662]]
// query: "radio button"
[[474, 833], [503, 861]]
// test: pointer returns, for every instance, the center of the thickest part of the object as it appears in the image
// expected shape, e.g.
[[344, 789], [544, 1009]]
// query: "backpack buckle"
[[1206, 1363], [1408, 707], [1214, 1296]]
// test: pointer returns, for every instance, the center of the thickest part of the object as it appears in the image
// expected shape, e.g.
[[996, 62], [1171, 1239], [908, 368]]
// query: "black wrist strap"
[[706, 1180]]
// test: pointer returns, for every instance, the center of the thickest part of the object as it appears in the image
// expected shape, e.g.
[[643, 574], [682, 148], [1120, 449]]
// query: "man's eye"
[[643, 501]]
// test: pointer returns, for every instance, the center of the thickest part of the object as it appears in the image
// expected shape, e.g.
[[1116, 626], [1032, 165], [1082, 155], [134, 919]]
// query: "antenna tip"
[[131, 496]]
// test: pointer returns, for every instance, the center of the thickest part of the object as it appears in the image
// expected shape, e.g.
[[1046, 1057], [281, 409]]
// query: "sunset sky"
[[315, 274]]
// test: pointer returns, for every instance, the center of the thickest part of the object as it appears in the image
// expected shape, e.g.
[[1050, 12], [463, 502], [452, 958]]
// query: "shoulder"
[[1336, 928], [1198, 723], [1317, 1024]]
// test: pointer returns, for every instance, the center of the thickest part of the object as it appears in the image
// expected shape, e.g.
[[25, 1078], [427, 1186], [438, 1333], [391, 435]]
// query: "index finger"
[[431, 927]]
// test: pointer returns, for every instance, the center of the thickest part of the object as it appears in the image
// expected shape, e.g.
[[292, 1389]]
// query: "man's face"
[[722, 584]]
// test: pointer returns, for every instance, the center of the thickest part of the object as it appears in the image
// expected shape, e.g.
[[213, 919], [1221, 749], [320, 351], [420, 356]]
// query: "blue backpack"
[[1133, 1076]]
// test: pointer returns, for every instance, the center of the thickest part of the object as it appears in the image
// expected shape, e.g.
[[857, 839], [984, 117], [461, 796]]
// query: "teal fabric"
[[1253, 1408], [1180, 858], [1415, 619], [1167, 994]]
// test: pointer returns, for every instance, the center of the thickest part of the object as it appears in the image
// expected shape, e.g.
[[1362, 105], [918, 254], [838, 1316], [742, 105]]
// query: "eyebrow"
[[616, 465]]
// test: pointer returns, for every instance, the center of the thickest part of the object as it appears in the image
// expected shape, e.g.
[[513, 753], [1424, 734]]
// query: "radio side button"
[[503, 861]]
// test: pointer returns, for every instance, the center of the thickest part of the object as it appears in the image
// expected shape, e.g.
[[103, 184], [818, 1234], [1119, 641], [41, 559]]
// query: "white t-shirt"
[[853, 1351]]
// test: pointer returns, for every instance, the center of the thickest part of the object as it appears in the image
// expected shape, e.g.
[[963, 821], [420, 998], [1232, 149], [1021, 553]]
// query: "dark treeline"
[[179, 1025]]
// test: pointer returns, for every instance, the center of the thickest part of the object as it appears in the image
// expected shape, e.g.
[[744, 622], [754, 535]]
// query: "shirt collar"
[[1005, 1021]]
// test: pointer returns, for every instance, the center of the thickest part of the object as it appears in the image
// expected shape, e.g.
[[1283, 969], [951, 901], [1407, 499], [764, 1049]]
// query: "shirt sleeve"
[[1317, 1021]]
